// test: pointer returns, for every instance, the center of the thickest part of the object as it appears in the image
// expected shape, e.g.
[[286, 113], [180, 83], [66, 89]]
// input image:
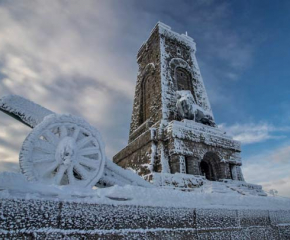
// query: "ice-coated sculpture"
[[185, 105], [188, 109], [63, 149]]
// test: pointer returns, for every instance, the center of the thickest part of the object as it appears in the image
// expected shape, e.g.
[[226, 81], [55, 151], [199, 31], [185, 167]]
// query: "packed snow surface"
[[13, 185]]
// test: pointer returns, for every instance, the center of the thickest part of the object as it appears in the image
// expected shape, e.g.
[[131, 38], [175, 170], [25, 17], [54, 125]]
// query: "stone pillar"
[[240, 174], [182, 164], [234, 172], [223, 171], [163, 158], [177, 164], [192, 165], [174, 164]]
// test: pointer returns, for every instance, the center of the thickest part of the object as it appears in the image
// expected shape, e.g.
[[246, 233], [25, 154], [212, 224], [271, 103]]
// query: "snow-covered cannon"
[[63, 149]]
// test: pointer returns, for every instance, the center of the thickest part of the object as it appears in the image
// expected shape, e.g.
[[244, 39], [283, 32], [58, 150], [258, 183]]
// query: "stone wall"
[[48, 219], [137, 155], [167, 63], [192, 142], [183, 146], [178, 53], [147, 100]]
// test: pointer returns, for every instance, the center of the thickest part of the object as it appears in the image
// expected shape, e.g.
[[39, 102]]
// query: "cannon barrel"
[[23, 110], [52, 146]]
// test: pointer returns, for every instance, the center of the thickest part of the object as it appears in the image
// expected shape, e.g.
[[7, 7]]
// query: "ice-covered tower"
[[172, 128]]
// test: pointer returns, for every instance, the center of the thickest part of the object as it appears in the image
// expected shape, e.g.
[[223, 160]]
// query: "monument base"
[[53, 219]]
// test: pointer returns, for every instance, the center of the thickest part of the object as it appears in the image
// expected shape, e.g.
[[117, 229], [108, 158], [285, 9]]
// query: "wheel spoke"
[[50, 169], [70, 175], [43, 158], [44, 146], [76, 133], [88, 162], [59, 174], [83, 142], [51, 137], [63, 131], [81, 170], [89, 151]]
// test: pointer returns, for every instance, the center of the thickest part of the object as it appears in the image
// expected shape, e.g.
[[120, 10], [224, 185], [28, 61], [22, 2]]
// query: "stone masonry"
[[51, 219], [161, 139]]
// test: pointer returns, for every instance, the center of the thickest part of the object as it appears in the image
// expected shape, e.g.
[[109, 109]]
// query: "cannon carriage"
[[63, 149]]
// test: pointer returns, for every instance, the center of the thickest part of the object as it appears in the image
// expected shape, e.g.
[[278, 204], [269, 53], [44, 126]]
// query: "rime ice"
[[171, 101]]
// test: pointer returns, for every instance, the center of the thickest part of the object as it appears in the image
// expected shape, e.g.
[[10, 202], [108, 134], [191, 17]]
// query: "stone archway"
[[147, 92], [206, 170], [182, 76], [210, 166]]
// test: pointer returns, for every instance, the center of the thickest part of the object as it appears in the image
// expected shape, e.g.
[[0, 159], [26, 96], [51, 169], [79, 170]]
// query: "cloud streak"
[[52, 54], [77, 57], [281, 185], [80, 58], [270, 169], [250, 133]]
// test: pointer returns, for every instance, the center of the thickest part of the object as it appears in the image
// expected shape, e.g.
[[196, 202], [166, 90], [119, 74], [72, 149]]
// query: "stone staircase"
[[214, 187], [232, 187], [245, 188], [199, 184]]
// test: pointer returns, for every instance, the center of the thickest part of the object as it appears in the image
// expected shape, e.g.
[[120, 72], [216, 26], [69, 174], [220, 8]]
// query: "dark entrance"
[[206, 170], [210, 167]]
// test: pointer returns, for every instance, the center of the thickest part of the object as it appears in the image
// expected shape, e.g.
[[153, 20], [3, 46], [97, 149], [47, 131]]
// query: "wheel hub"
[[65, 151]]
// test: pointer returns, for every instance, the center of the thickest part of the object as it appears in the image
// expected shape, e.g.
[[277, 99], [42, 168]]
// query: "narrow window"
[[146, 101], [183, 80]]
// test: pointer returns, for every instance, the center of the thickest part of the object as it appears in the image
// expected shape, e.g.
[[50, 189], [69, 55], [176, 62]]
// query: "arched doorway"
[[210, 166], [206, 170]]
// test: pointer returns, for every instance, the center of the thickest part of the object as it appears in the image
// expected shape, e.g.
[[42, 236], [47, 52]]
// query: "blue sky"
[[80, 57]]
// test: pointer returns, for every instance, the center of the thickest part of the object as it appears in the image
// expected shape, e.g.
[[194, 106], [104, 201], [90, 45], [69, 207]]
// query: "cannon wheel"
[[63, 150]]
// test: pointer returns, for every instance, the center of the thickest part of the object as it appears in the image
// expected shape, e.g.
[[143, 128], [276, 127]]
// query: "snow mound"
[[14, 185]]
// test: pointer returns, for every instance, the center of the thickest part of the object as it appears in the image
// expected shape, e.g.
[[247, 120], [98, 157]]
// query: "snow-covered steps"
[[232, 187], [177, 181], [244, 188], [199, 184]]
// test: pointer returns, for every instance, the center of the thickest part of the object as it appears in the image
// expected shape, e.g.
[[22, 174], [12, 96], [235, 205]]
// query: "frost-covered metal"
[[23, 110], [64, 149]]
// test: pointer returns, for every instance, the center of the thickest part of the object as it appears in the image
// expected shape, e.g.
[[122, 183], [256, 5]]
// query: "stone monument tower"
[[173, 128]]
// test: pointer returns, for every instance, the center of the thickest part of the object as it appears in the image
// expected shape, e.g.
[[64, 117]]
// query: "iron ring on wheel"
[[63, 150]]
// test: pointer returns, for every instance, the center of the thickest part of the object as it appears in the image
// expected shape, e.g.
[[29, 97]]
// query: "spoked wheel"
[[63, 150]]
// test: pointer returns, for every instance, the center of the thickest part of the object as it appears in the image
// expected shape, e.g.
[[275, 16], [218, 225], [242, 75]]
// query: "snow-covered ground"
[[14, 185]]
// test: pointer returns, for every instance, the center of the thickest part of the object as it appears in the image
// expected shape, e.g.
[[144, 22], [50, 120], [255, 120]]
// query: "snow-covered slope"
[[15, 186]]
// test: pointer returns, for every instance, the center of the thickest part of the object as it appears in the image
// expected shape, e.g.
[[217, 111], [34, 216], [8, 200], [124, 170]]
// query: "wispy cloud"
[[270, 169], [63, 57], [281, 185], [80, 58], [249, 133]]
